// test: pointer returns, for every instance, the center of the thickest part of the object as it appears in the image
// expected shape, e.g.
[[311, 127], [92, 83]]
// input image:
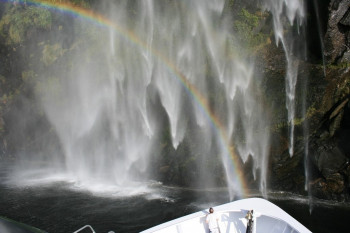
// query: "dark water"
[[56, 208]]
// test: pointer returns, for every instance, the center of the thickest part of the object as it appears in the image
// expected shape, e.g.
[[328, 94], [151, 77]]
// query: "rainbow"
[[100, 20]]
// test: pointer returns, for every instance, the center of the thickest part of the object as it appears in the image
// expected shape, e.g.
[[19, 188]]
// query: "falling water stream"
[[285, 14]]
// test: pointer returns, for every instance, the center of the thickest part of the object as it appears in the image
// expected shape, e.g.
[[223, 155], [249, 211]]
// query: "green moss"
[[2, 79], [342, 65], [245, 27], [249, 20], [298, 121], [51, 53], [14, 26], [5, 98], [82, 3], [311, 112], [231, 3], [28, 75]]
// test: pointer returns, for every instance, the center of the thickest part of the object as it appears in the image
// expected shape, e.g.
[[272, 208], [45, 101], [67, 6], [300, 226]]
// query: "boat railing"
[[84, 227], [90, 227]]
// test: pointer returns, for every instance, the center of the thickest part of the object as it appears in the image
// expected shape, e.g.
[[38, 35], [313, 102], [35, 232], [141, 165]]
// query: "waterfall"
[[157, 65], [295, 12], [285, 14]]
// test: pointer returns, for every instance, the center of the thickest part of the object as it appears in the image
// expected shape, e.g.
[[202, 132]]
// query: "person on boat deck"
[[212, 221]]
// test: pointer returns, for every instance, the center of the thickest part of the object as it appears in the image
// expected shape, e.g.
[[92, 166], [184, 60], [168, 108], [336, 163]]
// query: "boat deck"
[[267, 218]]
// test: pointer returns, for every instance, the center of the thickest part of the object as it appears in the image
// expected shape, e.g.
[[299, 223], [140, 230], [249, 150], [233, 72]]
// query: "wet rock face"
[[329, 145], [344, 25], [337, 36], [329, 154], [287, 172], [331, 188], [328, 100], [330, 160]]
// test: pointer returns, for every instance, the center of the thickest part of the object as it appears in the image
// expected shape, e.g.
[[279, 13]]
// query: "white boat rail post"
[[219, 221], [86, 226], [229, 220]]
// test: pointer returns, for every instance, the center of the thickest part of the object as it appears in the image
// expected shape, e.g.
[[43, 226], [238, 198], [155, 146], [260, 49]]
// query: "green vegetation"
[[51, 57], [51, 53], [16, 24], [341, 65], [230, 3], [28, 76], [6, 98], [82, 3], [20, 21], [311, 112], [246, 30], [2, 80]]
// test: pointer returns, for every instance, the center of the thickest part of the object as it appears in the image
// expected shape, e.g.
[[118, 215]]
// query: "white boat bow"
[[267, 218]]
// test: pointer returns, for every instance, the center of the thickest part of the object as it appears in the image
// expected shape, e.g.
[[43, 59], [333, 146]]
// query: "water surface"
[[58, 207]]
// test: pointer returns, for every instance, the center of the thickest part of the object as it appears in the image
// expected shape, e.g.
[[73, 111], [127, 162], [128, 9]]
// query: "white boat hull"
[[267, 218]]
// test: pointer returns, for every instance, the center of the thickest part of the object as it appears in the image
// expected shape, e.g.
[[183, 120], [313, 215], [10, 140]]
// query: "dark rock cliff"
[[337, 35], [320, 164]]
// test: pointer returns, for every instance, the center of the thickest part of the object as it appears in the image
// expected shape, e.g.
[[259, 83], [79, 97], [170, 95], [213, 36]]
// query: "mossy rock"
[[18, 21]]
